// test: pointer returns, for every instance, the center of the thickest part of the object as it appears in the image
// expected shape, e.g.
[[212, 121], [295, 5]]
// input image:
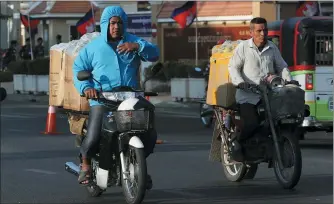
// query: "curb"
[[26, 98]]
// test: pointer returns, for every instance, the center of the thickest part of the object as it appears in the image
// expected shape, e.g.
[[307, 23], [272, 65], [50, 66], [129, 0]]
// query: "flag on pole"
[[185, 14], [307, 8], [87, 23], [33, 23]]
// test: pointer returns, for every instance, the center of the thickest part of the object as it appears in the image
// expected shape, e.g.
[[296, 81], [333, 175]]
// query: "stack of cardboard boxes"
[[221, 91], [62, 90]]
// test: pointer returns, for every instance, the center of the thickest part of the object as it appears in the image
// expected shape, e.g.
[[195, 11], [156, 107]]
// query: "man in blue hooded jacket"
[[114, 59]]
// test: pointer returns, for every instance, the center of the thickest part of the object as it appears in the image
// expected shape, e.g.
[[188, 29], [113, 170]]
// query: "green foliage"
[[6, 76], [38, 66]]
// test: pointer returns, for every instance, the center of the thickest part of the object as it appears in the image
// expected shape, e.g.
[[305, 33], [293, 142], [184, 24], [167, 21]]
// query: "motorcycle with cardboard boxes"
[[281, 111], [120, 160]]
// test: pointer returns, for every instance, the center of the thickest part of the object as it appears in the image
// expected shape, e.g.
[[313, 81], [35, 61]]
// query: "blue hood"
[[108, 13]]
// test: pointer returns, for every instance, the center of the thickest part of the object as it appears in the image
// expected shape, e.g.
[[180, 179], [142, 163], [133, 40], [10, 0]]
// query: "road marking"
[[15, 130], [41, 171], [17, 116]]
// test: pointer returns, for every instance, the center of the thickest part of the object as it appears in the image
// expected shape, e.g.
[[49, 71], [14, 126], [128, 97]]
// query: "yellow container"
[[221, 91]]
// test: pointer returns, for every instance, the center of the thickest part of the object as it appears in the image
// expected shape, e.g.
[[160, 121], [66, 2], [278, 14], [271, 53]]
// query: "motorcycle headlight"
[[276, 81]]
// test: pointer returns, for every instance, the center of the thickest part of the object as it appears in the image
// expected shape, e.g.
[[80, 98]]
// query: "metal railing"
[[324, 49]]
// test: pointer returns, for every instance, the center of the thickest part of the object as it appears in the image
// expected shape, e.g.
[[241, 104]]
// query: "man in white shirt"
[[253, 59]]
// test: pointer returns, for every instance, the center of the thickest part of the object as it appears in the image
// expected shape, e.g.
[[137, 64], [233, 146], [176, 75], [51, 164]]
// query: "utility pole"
[[16, 22]]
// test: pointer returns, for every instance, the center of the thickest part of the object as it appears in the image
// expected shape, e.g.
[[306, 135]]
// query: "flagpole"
[[91, 5], [196, 41], [32, 53], [319, 8]]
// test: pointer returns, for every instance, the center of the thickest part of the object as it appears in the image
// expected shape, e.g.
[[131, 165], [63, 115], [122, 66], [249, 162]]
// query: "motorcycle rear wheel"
[[137, 172], [233, 172], [297, 158]]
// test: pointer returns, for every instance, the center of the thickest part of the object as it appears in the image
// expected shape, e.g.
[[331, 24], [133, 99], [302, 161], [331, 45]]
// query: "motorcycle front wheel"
[[134, 188], [291, 159]]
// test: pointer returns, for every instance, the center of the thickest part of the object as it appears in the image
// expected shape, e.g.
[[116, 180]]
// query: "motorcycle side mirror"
[[3, 94], [84, 75], [197, 69]]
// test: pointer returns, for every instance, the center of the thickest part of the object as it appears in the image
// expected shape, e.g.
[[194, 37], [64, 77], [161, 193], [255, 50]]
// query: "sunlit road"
[[32, 165]]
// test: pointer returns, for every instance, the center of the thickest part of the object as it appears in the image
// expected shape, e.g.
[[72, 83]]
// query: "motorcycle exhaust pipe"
[[72, 168]]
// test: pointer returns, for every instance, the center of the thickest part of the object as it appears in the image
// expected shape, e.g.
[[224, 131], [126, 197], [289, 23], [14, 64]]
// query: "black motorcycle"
[[282, 110], [121, 160]]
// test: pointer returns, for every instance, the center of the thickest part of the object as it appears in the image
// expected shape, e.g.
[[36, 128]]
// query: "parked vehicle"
[[3, 94], [205, 110], [281, 110], [306, 44], [125, 158]]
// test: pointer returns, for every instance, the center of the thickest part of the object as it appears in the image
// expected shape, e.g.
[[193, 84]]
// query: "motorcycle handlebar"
[[100, 95]]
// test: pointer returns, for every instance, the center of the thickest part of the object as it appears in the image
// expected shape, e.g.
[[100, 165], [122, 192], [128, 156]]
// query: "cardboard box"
[[72, 98], [221, 91], [56, 77]]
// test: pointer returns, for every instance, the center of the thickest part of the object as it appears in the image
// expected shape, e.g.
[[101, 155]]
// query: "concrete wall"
[[264, 9], [58, 26], [9, 86]]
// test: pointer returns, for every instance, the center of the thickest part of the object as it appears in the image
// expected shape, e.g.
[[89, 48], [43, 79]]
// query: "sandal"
[[84, 176]]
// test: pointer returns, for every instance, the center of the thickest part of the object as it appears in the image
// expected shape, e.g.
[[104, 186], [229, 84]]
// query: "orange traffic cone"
[[51, 122], [159, 142]]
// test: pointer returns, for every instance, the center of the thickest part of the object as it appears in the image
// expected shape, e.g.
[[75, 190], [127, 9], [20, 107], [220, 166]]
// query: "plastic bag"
[[227, 46], [76, 45]]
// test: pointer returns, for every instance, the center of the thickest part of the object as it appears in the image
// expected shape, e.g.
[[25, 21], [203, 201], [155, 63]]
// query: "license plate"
[[330, 103]]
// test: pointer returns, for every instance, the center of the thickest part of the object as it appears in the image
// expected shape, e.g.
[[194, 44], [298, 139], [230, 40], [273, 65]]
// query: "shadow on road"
[[159, 148], [257, 191]]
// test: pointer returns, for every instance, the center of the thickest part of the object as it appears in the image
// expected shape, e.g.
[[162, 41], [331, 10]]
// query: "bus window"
[[324, 49]]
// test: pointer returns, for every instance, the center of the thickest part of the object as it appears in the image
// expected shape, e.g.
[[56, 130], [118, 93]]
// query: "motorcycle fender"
[[102, 178], [136, 142]]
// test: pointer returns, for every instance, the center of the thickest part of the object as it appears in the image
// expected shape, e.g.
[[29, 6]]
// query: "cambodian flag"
[[185, 14], [33, 23], [307, 8], [86, 24]]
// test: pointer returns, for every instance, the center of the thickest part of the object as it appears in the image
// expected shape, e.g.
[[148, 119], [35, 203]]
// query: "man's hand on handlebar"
[[294, 82], [91, 93]]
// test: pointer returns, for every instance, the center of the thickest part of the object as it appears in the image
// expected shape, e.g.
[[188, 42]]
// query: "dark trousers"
[[250, 120], [91, 142]]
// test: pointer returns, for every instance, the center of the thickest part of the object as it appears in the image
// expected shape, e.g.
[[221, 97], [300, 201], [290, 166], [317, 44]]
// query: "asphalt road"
[[32, 165]]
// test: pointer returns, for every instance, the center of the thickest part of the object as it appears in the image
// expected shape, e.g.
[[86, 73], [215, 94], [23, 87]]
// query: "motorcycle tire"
[[297, 158], [141, 175], [238, 176]]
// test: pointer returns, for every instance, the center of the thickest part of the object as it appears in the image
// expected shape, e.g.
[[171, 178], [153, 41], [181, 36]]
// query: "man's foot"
[[84, 175], [149, 183]]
